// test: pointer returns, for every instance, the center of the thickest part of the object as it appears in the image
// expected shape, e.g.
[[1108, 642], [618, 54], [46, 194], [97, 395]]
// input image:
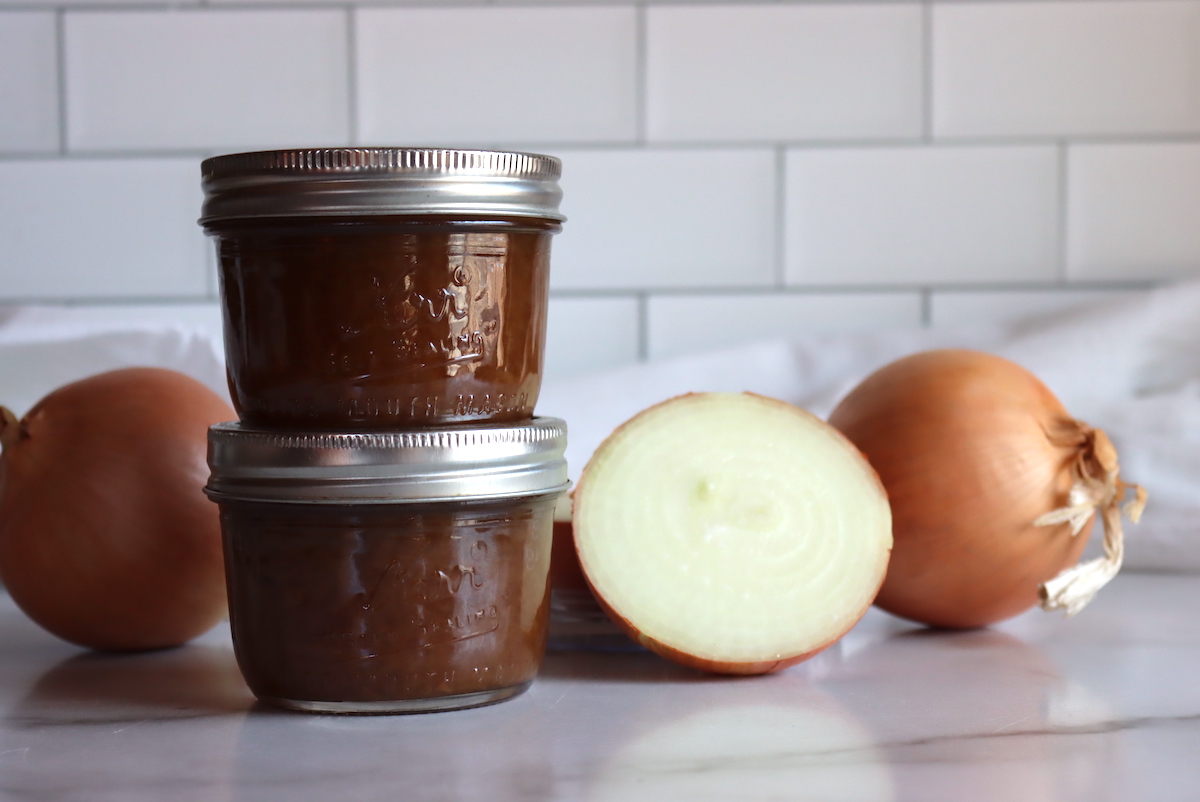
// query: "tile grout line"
[[643, 324], [60, 44], [780, 243], [1061, 254], [852, 289], [640, 112], [927, 72], [352, 74], [925, 294], [676, 147]]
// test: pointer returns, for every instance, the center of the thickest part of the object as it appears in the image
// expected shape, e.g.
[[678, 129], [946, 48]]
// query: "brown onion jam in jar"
[[373, 288], [388, 573]]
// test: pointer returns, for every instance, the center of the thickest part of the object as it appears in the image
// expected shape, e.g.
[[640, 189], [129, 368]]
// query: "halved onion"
[[731, 532]]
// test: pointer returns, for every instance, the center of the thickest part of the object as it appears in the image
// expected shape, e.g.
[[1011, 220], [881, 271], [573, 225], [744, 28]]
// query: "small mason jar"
[[373, 288], [388, 572]]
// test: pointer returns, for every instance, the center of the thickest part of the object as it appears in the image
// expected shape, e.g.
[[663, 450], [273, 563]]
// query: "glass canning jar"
[[371, 288], [388, 573]]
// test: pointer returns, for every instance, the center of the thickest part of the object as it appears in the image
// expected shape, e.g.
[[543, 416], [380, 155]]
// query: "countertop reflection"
[[1104, 706]]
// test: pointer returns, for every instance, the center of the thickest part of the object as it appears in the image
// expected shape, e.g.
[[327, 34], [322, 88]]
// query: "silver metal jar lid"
[[464, 463], [342, 182]]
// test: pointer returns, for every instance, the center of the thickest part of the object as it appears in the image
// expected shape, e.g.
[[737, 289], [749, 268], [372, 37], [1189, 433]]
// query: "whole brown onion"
[[106, 538], [992, 484]]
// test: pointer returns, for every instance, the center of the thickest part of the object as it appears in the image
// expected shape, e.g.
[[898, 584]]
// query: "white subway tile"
[[742, 71], [922, 214], [28, 82], [290, 3], [1133, 211], [666, 218], [588, 334], [101, 229], [53, 4], [490, 75], [206, 79], [1064, 68], [953, 307], [688, 324]]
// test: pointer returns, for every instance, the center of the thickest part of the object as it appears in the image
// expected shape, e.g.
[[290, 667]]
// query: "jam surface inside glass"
[[381, 323], [388, 602]]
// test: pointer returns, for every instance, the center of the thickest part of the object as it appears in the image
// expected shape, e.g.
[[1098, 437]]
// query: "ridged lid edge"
[[549, 429], [424, 161], [474, 462]]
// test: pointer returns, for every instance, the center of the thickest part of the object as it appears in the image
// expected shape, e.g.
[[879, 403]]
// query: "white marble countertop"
[[1105, 706]]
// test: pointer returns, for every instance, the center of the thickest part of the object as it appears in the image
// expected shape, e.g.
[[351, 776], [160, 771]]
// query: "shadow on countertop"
[[191, 681]]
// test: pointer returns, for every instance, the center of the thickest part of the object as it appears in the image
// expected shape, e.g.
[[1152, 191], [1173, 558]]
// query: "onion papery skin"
[[106, 537], [700, 663], [961, 441]]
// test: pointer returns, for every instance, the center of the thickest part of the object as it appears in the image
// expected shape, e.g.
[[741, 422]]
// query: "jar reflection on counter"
[[397, 606], [385, 322]]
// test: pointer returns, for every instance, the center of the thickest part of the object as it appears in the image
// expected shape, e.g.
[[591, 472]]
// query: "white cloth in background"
[[42, 348], [1129, 366]]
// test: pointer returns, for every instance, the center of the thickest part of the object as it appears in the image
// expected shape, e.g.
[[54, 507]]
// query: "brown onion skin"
[[959, 439], [106, 538], [707, 664]]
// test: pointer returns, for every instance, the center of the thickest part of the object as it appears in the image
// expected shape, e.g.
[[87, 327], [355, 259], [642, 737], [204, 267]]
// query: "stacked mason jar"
[[387, 495]]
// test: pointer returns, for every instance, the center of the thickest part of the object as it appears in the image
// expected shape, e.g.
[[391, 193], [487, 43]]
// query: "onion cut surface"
[[732, 532]]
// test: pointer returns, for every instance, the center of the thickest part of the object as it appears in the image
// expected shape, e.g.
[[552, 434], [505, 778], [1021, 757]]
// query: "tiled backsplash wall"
[[731, 170]]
